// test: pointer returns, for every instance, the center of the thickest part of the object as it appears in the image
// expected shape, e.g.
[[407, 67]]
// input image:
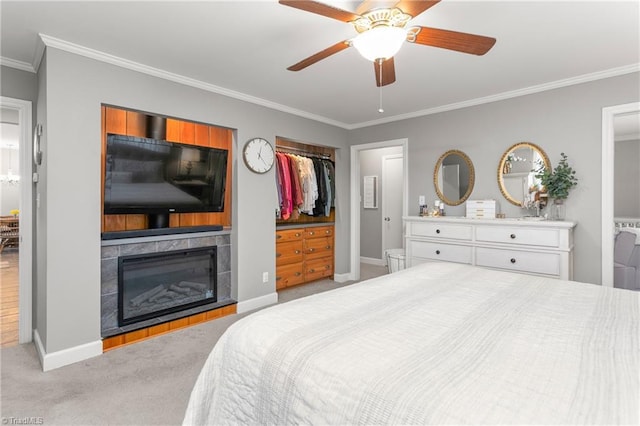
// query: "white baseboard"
[[343, 278], [257, 302], [68, 356], [372, 261]]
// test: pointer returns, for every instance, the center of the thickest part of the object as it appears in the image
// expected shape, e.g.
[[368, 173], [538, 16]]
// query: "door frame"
[[25, 256], [354, 273], [382, 201], [608, 152]]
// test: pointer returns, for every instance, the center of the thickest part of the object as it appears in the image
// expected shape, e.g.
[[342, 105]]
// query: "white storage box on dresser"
[[518, 245]]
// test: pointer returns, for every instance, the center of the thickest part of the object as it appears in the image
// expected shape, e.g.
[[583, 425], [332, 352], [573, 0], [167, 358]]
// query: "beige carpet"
[[147, 383]]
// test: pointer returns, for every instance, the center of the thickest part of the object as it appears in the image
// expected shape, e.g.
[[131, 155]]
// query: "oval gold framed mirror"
[[454, 177], [517, 171]]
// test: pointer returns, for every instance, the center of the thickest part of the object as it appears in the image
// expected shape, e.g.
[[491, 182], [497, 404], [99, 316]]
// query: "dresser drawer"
[[318, 268], [289, 275], [519, 261], [442, 230], [439, 251], [523, 236], [283, 235], [318, 247], [289, 252], [318, 232]]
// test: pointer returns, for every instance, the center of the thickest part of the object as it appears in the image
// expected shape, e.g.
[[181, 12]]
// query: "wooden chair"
[[9, 231]]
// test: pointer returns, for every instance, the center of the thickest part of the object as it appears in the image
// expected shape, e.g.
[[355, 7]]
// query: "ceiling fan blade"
[[388, 72], [415, 7], [452, 40], [338, 47], [368, 5], [321, 9]]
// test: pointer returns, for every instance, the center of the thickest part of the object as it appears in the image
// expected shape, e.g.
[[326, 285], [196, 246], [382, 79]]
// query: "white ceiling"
[[242, 49]]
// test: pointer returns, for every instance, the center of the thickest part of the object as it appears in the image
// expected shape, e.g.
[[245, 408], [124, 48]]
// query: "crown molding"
[[614, 72], [177, 78], [19, 65]]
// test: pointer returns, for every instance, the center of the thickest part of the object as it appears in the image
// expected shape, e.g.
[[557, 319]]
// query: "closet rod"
[[303, 151]]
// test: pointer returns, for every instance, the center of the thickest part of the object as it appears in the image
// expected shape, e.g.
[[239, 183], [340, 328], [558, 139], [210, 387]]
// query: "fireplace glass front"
[[155, 284]]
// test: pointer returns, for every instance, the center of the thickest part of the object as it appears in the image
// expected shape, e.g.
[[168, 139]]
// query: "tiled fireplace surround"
[[112, 249]]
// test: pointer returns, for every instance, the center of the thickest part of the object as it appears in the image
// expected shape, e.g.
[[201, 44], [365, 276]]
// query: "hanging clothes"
[[285, 179], [327, 206], [332, 178], [318, 209], [296, 188], [305, 185]]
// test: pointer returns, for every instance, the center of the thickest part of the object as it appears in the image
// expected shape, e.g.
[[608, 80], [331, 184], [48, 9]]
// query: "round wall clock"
[[258, 155]]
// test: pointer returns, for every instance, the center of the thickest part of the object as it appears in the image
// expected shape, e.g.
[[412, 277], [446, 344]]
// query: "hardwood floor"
[[9, 280]]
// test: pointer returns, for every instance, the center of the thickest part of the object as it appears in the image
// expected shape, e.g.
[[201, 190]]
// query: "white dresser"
[[527, 246]]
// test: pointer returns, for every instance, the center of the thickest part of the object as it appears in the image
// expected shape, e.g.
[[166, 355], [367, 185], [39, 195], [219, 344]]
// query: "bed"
[[438, 343]]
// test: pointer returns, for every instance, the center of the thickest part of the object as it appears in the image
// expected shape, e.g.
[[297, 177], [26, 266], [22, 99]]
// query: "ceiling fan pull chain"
[[380, 110]]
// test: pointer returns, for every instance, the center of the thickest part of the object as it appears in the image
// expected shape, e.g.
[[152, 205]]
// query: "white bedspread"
[[439, 343]]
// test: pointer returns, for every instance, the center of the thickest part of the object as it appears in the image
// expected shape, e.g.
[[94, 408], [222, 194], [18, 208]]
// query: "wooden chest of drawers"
[[303, 254], [530, 247]]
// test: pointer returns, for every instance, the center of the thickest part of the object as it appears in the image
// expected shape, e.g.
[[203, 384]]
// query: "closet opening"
[[306, 186]]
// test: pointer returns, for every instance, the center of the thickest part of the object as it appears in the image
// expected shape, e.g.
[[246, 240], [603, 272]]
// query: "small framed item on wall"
[[370, 192]]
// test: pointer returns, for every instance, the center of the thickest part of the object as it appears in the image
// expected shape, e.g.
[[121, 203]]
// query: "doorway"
[[356, 198], [609, 116], [16, 122]]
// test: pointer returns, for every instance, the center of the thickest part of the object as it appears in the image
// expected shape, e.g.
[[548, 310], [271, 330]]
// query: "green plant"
[[558, 181]]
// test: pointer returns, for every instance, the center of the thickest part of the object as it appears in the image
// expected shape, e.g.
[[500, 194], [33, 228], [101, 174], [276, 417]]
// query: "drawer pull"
[[513, 260], [327, 267], [297, 234], [311, 249], [278, 278], [328, 247], [437, 231], [513, 236], [327, 232], [437, 251], [278, 237], [298, 274], [278, 254], [311, 233], [311, 271], [297, 251]]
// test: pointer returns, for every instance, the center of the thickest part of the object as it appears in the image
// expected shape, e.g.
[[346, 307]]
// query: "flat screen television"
[[157, 177]]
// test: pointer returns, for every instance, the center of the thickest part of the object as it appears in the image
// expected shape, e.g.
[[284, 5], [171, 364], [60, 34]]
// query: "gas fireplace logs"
[[168, 291]]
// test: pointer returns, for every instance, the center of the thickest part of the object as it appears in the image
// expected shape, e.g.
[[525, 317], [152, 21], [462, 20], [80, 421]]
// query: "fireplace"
[[155, 284]]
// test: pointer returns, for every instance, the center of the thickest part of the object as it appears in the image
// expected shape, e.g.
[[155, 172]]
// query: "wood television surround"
[[133, 123]]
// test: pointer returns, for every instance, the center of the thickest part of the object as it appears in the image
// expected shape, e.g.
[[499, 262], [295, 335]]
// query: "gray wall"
[[566, 120], [76, 87], [627, 179], [19, 84], [371, 219]]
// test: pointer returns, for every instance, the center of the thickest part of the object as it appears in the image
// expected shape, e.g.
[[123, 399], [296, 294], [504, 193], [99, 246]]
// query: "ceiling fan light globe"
[[381, 42]]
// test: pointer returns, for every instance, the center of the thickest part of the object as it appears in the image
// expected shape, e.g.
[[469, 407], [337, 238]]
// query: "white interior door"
[[392, 202]]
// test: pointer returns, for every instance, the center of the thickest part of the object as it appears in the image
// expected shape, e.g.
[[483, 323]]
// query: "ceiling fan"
[[381, 32]]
